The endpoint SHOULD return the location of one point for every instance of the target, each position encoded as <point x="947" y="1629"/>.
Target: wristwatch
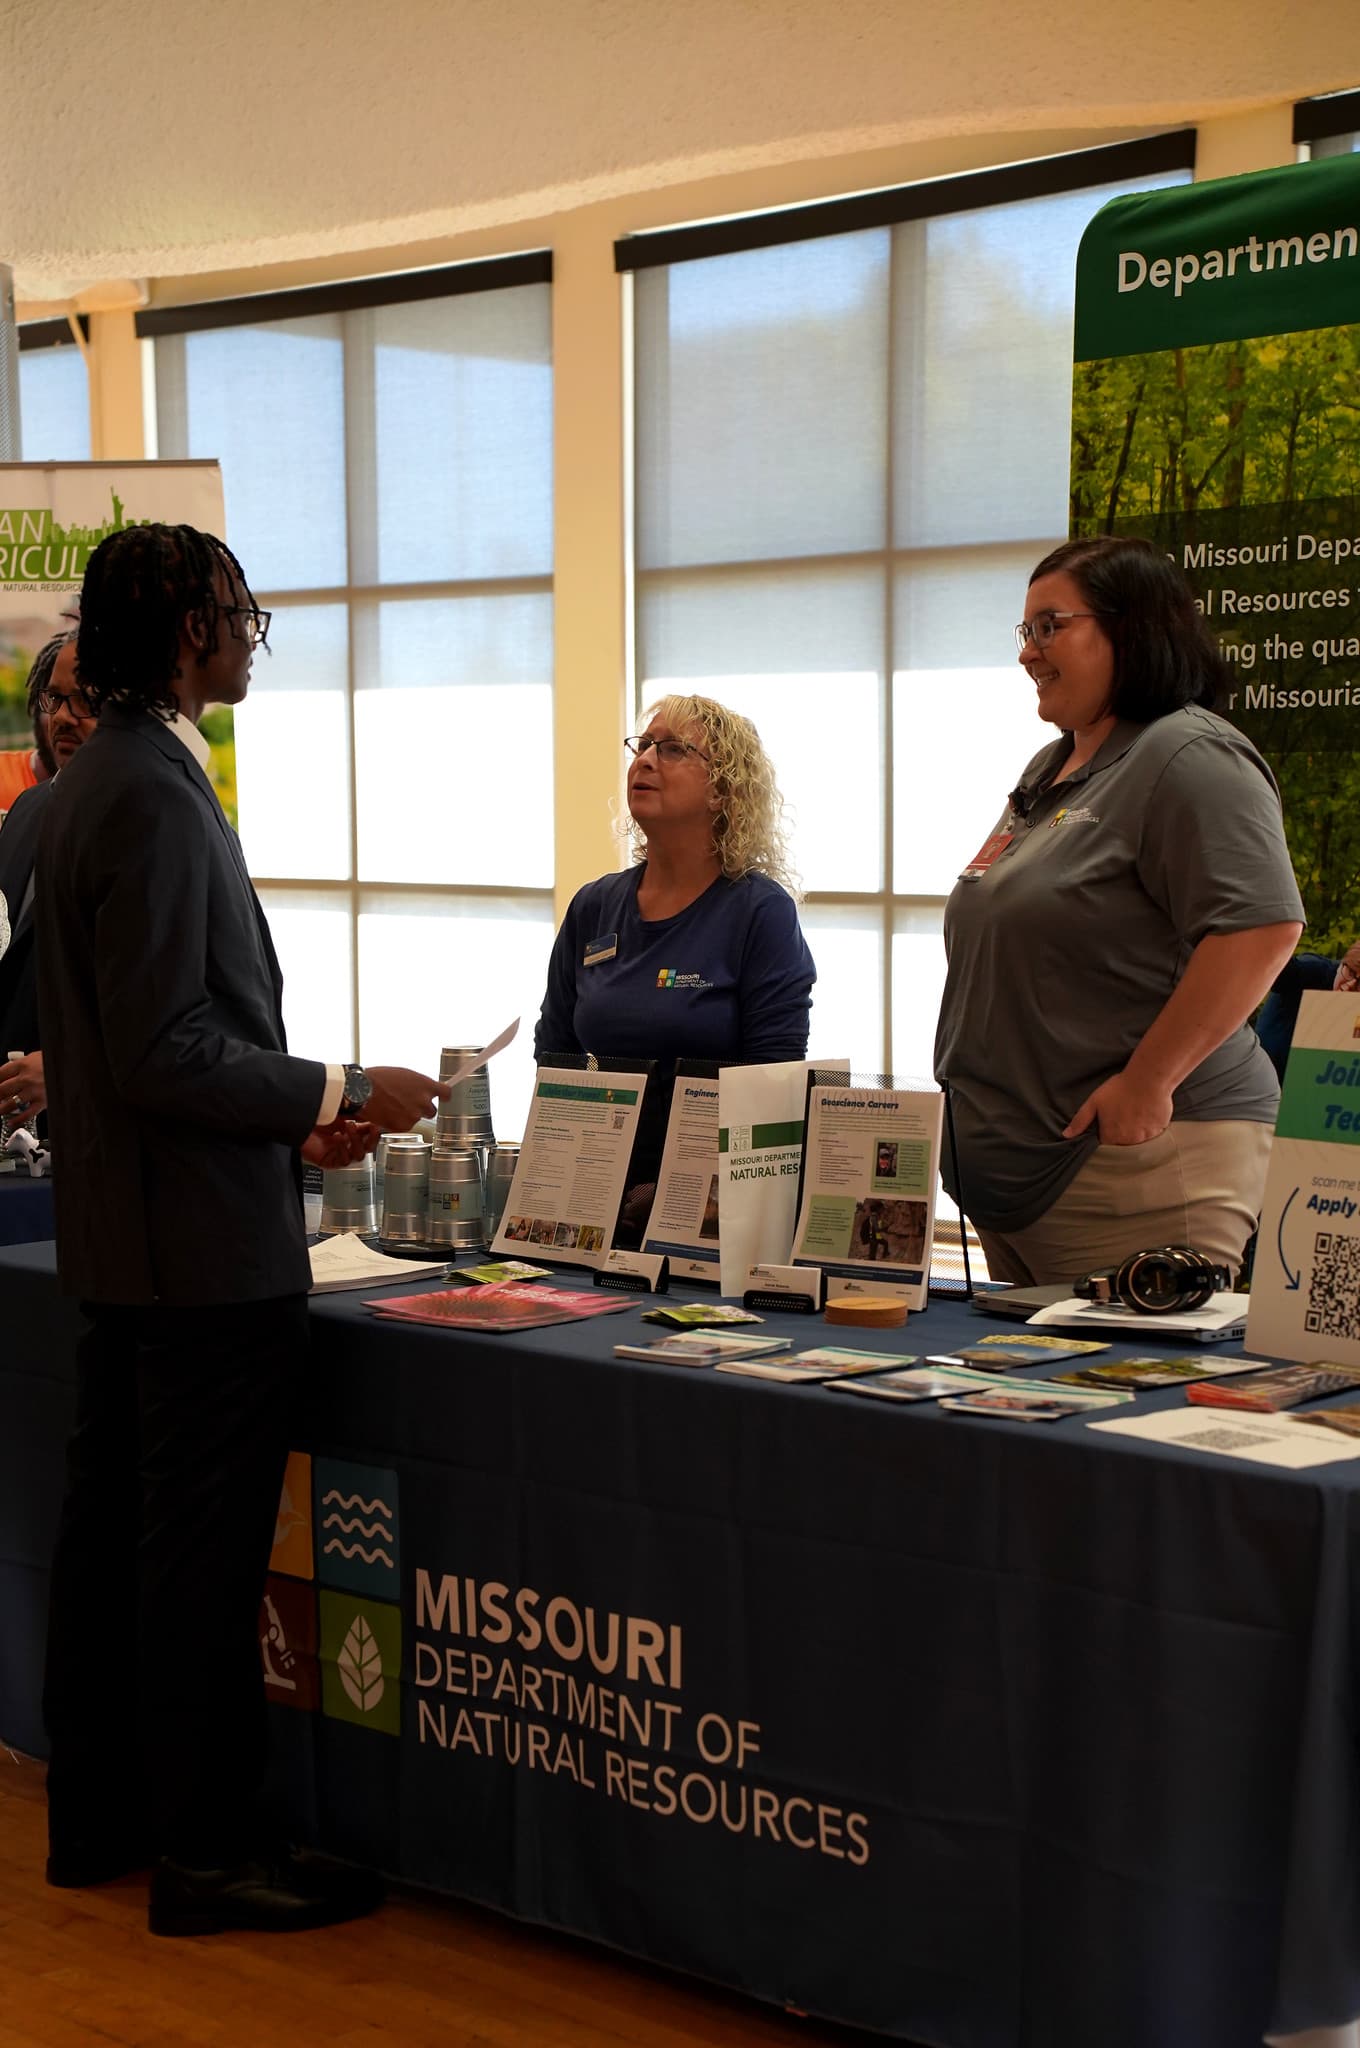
<point x="358" y="1088"/>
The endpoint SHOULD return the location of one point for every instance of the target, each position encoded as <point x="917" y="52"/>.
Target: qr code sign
<point x="1334" y="1288"/>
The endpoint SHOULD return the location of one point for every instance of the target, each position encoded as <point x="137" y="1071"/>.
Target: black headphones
<point x="1170" y="1280"/>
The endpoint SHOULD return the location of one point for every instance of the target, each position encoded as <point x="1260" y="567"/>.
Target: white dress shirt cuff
<point x="333" y="1097"/>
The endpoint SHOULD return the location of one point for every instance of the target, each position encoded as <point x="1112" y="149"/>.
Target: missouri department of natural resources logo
<point x="330" y="1623"/>
<point x="671" y="977"/>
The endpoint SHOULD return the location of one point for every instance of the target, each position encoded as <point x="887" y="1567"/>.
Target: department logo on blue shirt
<point x="670" y="977"/>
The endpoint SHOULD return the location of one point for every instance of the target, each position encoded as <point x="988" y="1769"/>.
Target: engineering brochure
<point x="573" y="1165"/>
<point x="871" y="1159"/>
<point x="684" y="1219"/>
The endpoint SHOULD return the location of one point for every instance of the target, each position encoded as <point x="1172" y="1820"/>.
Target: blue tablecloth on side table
<point x="25" y="1209"/>
<point x="976" y="1733"/>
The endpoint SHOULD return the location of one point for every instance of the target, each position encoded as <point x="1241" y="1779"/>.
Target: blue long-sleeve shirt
<point x="728" y="978"/>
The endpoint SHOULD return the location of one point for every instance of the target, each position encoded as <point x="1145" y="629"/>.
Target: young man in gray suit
<point x="178" y="1118"/>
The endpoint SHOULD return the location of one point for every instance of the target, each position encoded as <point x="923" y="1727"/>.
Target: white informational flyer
<point x="760" y="1147"/>
<point x="573" y="1165"/>
<point x="684" y="1219"/>
<point x="870" y="1166"/>
<point x="1305" y="1283"/>
<point x="1232" y="1433"/>
<point x="1221" y="1316"/>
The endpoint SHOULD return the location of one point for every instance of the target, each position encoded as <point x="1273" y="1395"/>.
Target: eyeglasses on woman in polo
<point x="1044" y="625"/>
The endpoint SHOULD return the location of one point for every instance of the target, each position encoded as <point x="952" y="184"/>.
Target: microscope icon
<point x="274" y="1643"/>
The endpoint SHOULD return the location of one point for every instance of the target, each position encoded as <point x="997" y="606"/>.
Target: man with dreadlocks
<point x="177" y="1115"/>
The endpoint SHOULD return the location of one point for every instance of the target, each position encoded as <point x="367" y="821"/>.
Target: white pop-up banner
<point x="1305" y="1284"/>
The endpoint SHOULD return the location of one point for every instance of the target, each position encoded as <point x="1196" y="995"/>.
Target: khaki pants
<point x="1198" y="1184"/>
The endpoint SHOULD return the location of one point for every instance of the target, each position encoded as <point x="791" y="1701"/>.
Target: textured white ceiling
<point x="165" y="137"/>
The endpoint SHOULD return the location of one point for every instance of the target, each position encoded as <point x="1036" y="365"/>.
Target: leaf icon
<point x="360" y="1666"/>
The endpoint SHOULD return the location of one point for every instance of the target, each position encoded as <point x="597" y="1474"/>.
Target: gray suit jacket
<point x="175" y="1108"/>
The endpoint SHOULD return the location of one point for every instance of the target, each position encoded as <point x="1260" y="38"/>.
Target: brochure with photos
<point x="501" y="1272"/>
<point x="828" y="1362"/>
<point x="700" y="1347"/>
<point x="1151" y="1373"/>
<point x="1282" y="1386"/>
<point x="498" y="1308"/>
<point x="1346" y="1421"/>
<point x="699" y="1315"/>
<point x="939" y="1379"/>
<point x="1029" y="1406"/>
<point x="1012" y="1349"/>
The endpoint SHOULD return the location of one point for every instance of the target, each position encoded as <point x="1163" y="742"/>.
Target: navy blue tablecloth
<point x="25" y="1209"/>
<point x="977" y="1733"/>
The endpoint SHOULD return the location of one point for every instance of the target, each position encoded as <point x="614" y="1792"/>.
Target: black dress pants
<point x="154" y="1696"/>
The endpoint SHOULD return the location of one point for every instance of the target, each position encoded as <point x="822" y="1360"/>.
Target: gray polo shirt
<point x="1065" y="949"/>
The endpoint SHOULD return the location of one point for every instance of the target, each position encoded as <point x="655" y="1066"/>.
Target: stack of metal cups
<point x="463" y="1130"/>
<point x="347" y="1199"/>
<point x="455" y="1196"/>
<point x="406" y="1189"/>
<point x="498" y="1171"/>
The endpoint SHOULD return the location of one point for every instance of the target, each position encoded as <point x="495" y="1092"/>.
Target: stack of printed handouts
<point x="700" y="1347"/>
<point x="1223" y="1315"/>
<point x="346" y="1261"/>
<point x="515" y="1307"/>
<point x="828" y="1362"/>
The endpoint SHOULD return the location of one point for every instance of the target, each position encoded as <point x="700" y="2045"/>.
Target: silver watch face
<point x="358" y="1087"/>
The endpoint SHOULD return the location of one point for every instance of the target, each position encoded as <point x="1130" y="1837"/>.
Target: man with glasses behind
<point x="62" y="722"/>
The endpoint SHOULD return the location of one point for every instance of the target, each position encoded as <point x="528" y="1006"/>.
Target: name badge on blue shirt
<point x="601" y="949"/>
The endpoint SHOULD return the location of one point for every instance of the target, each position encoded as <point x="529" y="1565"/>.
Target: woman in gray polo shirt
<point x="1109" y="941"/>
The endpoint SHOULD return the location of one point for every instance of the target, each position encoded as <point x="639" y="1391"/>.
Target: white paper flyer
<point x="573" y="1165"/>
<point x="684" y="1219"/>
<point x="760" y="1148"/>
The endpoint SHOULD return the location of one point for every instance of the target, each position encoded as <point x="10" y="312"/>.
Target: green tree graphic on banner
<point x="1220" y="417"/>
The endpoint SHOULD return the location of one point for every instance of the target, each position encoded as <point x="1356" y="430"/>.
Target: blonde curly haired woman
<point x="695" y="952"/>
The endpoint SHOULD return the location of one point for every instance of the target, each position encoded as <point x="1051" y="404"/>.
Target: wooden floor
<point x="78" y="1970"/>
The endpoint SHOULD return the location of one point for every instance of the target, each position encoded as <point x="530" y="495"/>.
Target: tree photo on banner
<point x="1215" y="411"/>
<point x="53" y="516"/>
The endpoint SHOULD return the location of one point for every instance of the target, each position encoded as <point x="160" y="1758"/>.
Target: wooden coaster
<point x="867" y="1311"/>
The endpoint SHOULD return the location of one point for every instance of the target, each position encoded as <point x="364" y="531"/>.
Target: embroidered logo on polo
<point x="330" y="1622"/>
<point x="1077" y="815"/>
<point x="669" y="977"/>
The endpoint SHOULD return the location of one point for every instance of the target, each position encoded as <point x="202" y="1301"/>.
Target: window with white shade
<point x="851" y="447"/>
<point x="54" y="394"/>
<point x="1328" y="125"/>
<point x="387" y="467"/>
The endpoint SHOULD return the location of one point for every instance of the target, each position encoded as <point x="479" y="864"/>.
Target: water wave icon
<point x="355" y="1500"/>
<point x="349" y="1523"/>
<point x="374" y="1556"/>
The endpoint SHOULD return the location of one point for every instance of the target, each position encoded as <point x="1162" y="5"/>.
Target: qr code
<point x="1221" y="1439"/>
<point x="1334" y="1289"/>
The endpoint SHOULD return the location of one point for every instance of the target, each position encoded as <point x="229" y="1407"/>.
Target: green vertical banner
<point x="1216" y="411"/>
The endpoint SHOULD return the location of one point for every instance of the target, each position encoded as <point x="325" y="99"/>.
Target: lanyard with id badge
<point x="990" y="851"/>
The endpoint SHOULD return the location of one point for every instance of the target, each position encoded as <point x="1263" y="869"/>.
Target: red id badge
<point x="990" y="850"/>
